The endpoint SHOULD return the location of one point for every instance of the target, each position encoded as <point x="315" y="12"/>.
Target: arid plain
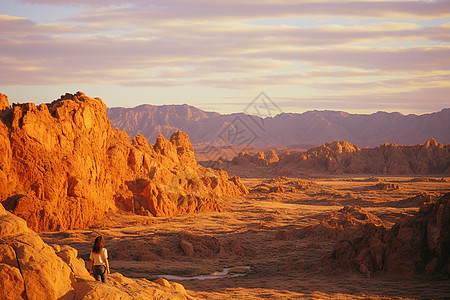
<point x="274" y="240"/>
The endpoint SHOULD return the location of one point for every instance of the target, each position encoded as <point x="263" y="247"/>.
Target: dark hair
<point x="99" y="244"/>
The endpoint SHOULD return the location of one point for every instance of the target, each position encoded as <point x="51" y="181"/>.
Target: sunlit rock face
<point x="62" y="166"/>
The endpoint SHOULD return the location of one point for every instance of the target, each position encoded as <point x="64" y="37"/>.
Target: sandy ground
<point x="279" y="269"/>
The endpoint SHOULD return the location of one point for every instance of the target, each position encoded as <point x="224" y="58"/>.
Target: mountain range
<point x="286" y="129"/>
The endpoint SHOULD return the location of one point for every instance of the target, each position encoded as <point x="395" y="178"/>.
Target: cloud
<point x="204" y="57"/>
<point x="389" y="47"/>
<point x="338" y="81"/>
<point x="417" y="101"/>
<point x="201" y="9"/>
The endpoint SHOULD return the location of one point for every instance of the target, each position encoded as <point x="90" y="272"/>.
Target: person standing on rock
<point x="99" y="260"/>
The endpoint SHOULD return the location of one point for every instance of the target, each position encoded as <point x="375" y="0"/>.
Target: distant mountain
<point x="312" y="127"/>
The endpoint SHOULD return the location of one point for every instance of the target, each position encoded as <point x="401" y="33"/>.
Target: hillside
<point x="309" y="128"/>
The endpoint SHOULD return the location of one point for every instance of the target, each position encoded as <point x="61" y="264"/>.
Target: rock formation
<point x="31" y="269"/>
<point x="282" y="184"/>
<point x="418" y="245"/>
<point x="258" y="159"/>
<point x="342" y="157"/>
<point x="62" y="166"/>
<point x="4" y="103"/>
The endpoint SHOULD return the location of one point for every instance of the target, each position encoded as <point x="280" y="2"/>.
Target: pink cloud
<point x="262" y="9"/>
<point x="210" y="44"/>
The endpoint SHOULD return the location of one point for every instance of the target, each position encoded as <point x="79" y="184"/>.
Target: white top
<point x="99" y="258"/>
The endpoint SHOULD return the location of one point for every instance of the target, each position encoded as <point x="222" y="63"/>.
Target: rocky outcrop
<point x="55" y="165"/>
<point x="342" y="157"/>
<point x="31" y="269"/>
<point x="258" y="159"/>
<point x="419" y="245"/>
<point x="164" y="179"/>
<point x="62" y="166"/>
<point x="282" y="185"/>
<point x="4" y="103"/>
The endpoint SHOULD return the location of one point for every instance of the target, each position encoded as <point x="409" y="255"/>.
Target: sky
<point x="354" y="56"/>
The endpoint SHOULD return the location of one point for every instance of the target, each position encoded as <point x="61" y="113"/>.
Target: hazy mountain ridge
<point x="312" y="127"/>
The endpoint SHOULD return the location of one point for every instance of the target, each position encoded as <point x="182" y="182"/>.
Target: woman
<point x="99" y="260"/>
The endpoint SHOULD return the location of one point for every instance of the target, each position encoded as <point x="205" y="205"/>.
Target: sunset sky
<point x="356" y="56"/>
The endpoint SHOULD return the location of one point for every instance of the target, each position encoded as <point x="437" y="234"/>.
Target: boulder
<point x="43" y="275"/>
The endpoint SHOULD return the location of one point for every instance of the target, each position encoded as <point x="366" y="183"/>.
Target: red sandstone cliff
<point x="62" y="166"/>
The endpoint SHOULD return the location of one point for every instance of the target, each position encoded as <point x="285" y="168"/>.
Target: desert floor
<point x="249" y="229"/>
